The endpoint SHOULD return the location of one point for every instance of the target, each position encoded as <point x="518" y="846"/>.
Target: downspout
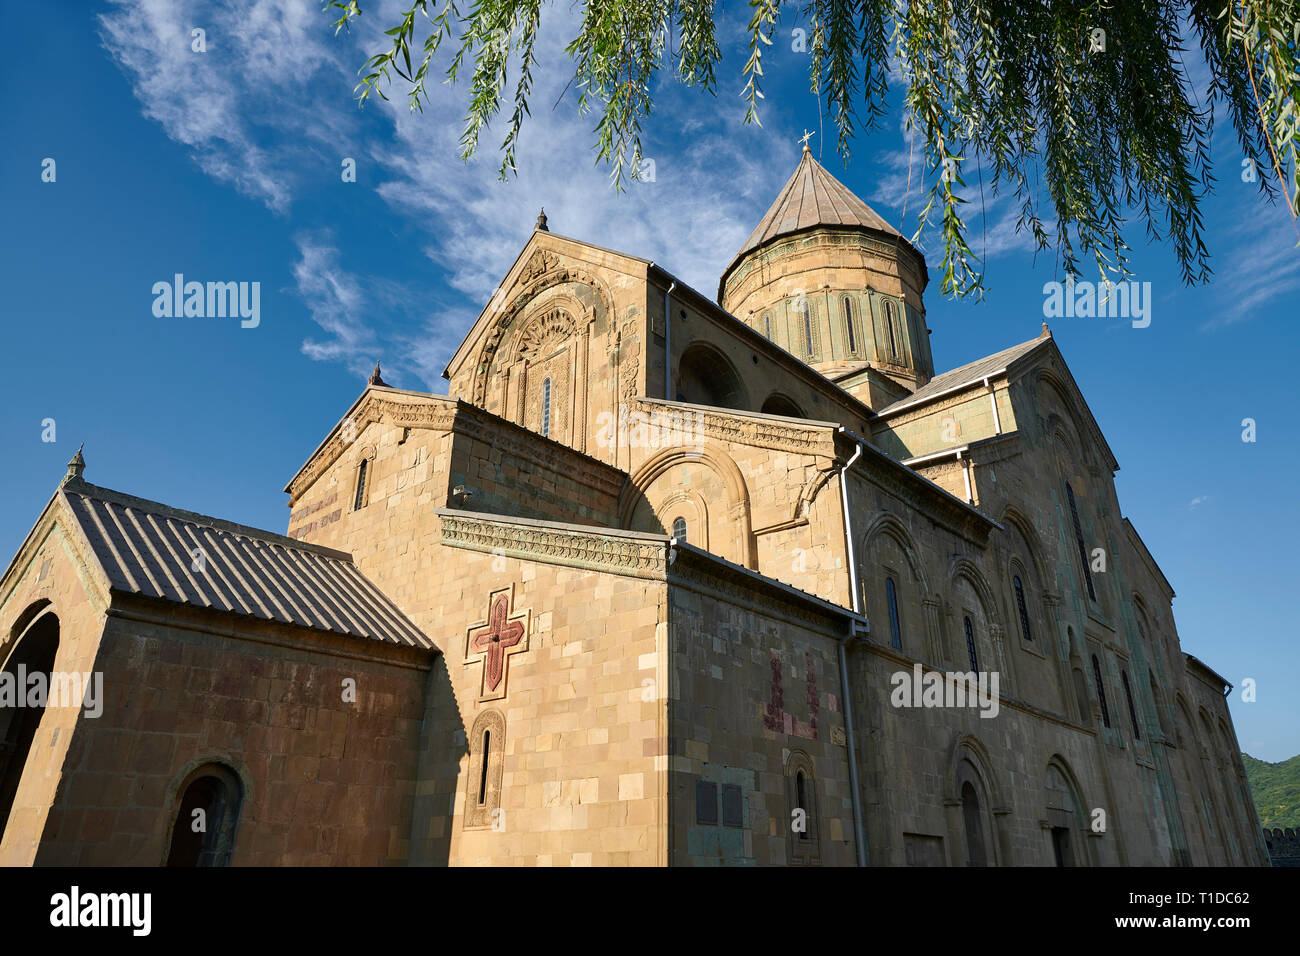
<point x="993" y="400"/>
<point x="860" y="838"/>
<point x="668" y="342"/>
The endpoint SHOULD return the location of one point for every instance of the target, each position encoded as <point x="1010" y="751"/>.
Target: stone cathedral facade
<point x="652" y="585"/>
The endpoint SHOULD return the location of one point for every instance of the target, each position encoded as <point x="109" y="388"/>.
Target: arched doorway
<point x="34" y="653"/>
<point x="203" y="833"/>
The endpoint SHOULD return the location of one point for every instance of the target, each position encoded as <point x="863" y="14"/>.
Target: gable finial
<point x="541" y="220"/>
<point x="76" y="466"/>
<point x="1046" y="333"/>
<point x="804" y="139"/>
<point x="375" y="378"/>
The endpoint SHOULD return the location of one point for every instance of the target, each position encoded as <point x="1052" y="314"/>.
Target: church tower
<point x="826" y="278"/>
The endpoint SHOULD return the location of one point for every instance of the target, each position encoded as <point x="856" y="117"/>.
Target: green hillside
<point x="1276" y="789"/>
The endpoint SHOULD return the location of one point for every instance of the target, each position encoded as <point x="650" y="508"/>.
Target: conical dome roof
<point x="812" y="197"/>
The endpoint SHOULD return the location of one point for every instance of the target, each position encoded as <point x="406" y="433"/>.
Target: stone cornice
<point x="630" y="555"/>
<point x="639" y="555"/>
<point x="750" y="428"/>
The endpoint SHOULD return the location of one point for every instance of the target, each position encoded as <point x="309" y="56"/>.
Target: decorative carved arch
<point x="891" y="526"/>
<point x="546" y="326"/>
<point x="962" y="567"/>
<point x="1013" y="516"/>
<point x="554" y="275"/>
<point x="696" y="501"/>
<point x="969" y="747"/>
<point x="1062" y="766"/>
<point x="969" y="762"/>
<point x="721" y="464"/>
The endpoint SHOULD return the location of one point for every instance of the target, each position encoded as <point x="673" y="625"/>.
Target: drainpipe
<point x="668" y="342"/>
<point x="993" y="399"/>
<point x="859" y="836"/>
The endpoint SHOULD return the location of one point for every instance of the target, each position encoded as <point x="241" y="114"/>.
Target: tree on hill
<point x="1276" y="790"/>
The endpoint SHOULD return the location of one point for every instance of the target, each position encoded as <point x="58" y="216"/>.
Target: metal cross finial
<point x="805" y="137"/>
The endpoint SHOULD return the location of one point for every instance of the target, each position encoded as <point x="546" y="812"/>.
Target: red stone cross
<point x="499" y="634"/>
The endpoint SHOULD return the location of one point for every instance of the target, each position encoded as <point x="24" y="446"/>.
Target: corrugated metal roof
<point x="147" y="548"/>
<point x="965" y="375"/>
<point x="812" y="197"/>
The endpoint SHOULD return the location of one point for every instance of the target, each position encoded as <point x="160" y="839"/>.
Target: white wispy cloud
<point x="1261" y="263"/>
<point x="336" y="300"/>
<point x="1198" y="500"/>
<point x="275" y="87"/>
<point x="226" y="102"/>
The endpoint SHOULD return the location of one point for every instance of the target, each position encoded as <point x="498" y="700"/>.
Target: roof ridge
<point x="99" y="493"/>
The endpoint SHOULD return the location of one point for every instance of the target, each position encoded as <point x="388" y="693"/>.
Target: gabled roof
<point x="965" y="375"/>
<point x="812" y="197"/>
<point x="146" y="548"/>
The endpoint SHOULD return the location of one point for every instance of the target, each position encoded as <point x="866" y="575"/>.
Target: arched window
<point x="848" y="325"/>
<point x="362" y="471"/>
<point x="487" y="745"/>
<point x="970" y="811"/>
<point x="1159" y="705"/>
<point x="1128" y="696"/>
<point x="801" y="796"/>
<point x="891" y="596"/>
<point x="486" y="750"/>
<point x="33" y="654"/>
<point x="808" y="328"/>
<point x="679" y="529"/>
<point x="1020" y="606"/>
<point x="890" y="322"/>
<point x="1101" y="691"/>
<point x="767" y="325"/>
<point x="801" y="802"/>
<point x="970" y="643"/>
<point x="203" y="833"/>
<point x="1078" y="537"/>
<point x="546" y="408"/>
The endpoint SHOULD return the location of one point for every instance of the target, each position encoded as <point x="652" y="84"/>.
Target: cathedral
<point x="663" y="581"/>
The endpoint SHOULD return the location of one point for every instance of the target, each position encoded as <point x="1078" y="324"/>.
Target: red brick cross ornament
<point x="491" y="642"/>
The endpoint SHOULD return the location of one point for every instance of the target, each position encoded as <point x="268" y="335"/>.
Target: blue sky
<point x="225" y="166"/>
